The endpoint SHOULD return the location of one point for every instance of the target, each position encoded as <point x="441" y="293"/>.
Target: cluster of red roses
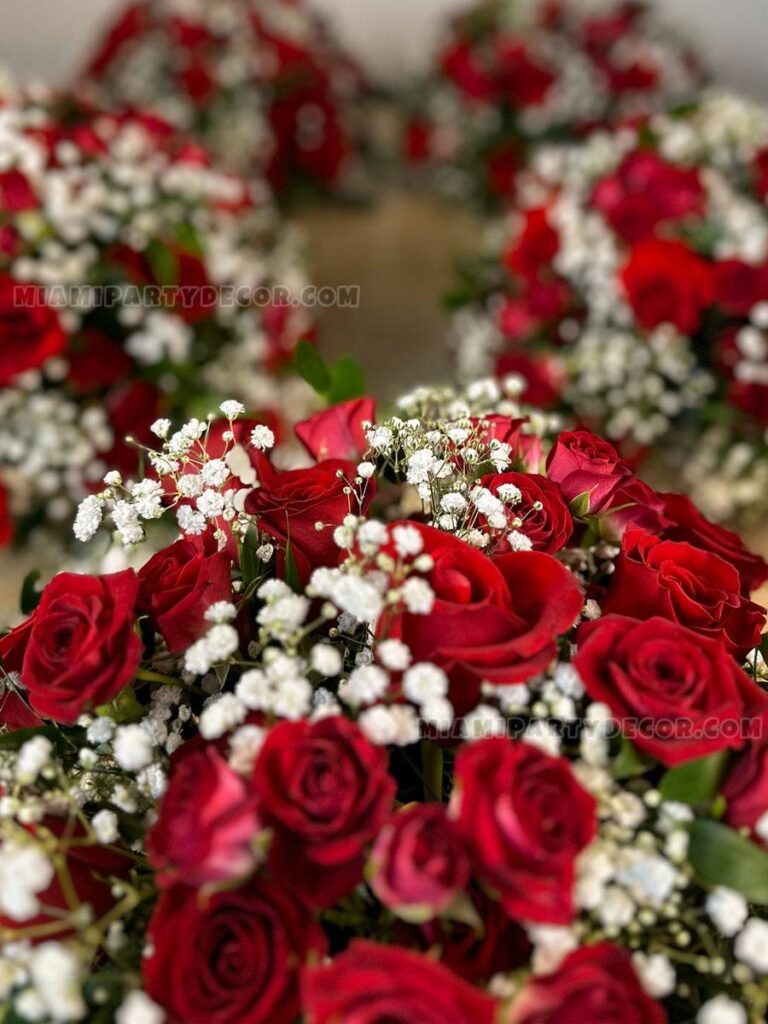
<point x="632" y="292"/>
<point x="115" y="239"/>
<point x="512" y="76"/>
<point x="260" y="84"/>
<point x="244" y="737"/>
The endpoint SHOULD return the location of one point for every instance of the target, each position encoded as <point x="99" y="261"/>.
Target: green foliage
<point x="722" y="856"/>
<point x="338" y="382"/>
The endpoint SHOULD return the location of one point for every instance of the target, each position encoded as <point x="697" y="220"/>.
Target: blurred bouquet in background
<point x="461" y="722"/>
<point x="513" y="74"/>
<point x="135" y="280"/>
<point x="259" y="82"/>
<point x="630" y="290"/>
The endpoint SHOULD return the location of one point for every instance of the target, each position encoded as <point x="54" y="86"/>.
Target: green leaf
<point x="725" y="857"/>
<point x="311" y="366"/>
<point x="123" y="708"/>
<point x="163" y="263"/>
<point x="629" y="762"/>
<point x="291" y="570"/>
<point x="695" y="782"/>
<point x="347" y="381"/>
<point x="251" y="565"/>
<point x="30" y="592"/>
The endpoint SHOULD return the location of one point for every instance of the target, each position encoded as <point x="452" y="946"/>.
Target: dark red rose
<point x="463" y="67"/>
<point x="596" y="984"/>
<point x="540" y="513"/>
<point x="667" y="283"/>
<point x="739" y="286"/>
<point x="500" y="945"/>
<point x="583" y="464"/>
<point x="677" y="695"/>
<point x="761" y="174"/>
<point x="633" y="505"/>
<point x="493" y="620"/>
<point x="337" y="433"/>
<point x="521" y="79"/>
<point x="91" y="870"/>
<point x="525" y="819"/>
<point x="746" y="786"/>
<point x="645" y="192"/>
<point x="30" y="330"/>
<point x="96" y="361"/>
<point x="131" y="23"/>
<point x="417" y="142"/>
<point x="16" y="194"/>
<point x="535" y="246"/>
<point x="206" y="824"/>
<point x="502" y="166"/>
<point x="418" y="865"/>
<point x="684" y="584"/>
<point x="325" y="791"/>
<point x="230" y="958"/>
<point x="131" y="407"/>
<point x="371" y="982"/>
<point x="179" y="584"/>
<point x="686" y="523"/>
<point x="6" y="521"/>
<point x="79" y="648"/>
<point x="290" y="504"/>
<point x="543" y="376"/>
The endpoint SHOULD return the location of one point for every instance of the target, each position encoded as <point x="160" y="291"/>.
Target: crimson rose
<point x="290" y="504"/>
<point x="325" y="792"/>
<point x="682" y="583"/>
<point x="371" y="982"/>
<point x="582" y="463"/>
<point x="207" y="820"/>
<point x="79" y="648"/>
<point x="30" y="331"/>
<point x="525" y="819"/>
<point x="540" y="514"/>
<point x="337" y="433"/>
<point x="493" y="620"/>
<point x="418" y="864"/>
<point x="746" y="788"/>
<point x="179" y="584"/>
<point x="667" y="283"/>
<point x="595" y="984"/>
<point x="689" y="690"/>
<point x="231" y="958"/>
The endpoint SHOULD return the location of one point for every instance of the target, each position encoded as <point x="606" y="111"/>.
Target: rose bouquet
<point x="513" y="74"/>
<point x="632" y="290"/>
<point x="462" y="722"/>
<point x="259" y="82"/>
<point x="135" y="279"/>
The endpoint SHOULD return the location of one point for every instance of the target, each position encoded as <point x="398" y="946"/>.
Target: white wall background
<point x="50" y="38"/>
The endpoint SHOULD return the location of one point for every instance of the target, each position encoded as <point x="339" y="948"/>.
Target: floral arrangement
<point x="259" y="82"/>
<point x="461" y="722"/>
<point x="514" y="74"/>
<point x="135" y="281"/>
<point x="631" y="290"/>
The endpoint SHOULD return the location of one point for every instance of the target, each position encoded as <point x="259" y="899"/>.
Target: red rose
<point x="418" y="864"/>
<point x="540" y="513"/>
<point x="6" y="521"/>
<point x="371" y="982"/>
<point x="206" y="824"/>
<point x="337" y="433"/>
<point x="543" y="376"/>
<point x="746" y="788"/>
<point x="521" y="80"/>
<point x="289" y="505"/>
<point x="96" y="361"/>
<point x="91" y="869"/>
<point x="684" y="584"/>
<point x="634" y="505"/>
<point x="462" y="66"/>
<point x="131" y="407"/>
<point x="30" y="330"/>
<point x="761" y="174"/>
<point x="687" y="690"/>
<point x="16" y="194"/>
<point x="499" y="947"/>
<point x="79" y="648"/>
<point x="232" y="958"/>
<point x="179" y="584"/>
<point x="583" y="464"/>
<point x="593" y="984"/>
<point x="667" y="283"/>
<point x="525" y="819"/>
<point x="535" y="247"/>
<point x="493" y="620"/>
<point x="325" y="791"/>
<point x="686" y="523"/>
<point x="739" y="286"/>
<point x="645" y="192"/>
